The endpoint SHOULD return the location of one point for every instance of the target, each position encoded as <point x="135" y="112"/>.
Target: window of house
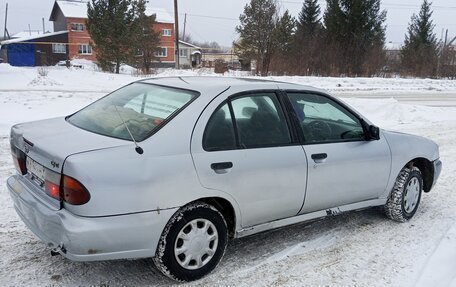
<point x="166" y="32"/>
<point x="162" y="52"/>
<point x="139" y="52"/>
<point x="85" y="49"/>
<point x="58" y="48"/>
<point x="77" y="27"/>
<point x="183" y="53"/>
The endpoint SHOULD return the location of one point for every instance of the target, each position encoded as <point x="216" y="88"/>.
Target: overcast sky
<point x="215" y="20"/>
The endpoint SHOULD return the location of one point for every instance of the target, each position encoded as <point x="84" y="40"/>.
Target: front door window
<point x="323" y="120"/>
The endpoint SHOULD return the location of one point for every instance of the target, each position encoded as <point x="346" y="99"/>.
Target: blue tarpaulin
<point x="21" y="54"/>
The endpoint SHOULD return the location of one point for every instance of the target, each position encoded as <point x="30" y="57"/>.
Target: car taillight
<point x="19" y="160"/>
<point x="74" y="192"/>
<point x="51" y="184"/>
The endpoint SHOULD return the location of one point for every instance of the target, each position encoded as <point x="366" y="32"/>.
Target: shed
<point x="189" y="55"/>
<point x="40" y="50"/>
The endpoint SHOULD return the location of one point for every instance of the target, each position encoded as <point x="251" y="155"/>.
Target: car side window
<point x="260" y="121"/>
<point x="219" y="133"/>
<point x="324" y="120"/>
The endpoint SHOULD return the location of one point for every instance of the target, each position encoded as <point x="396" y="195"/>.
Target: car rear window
<point x="142" y="107"/>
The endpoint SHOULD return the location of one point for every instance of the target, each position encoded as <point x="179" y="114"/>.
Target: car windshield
<point x="142" y="107"/>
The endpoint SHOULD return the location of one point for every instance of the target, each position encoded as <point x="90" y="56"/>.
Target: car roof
<point x="204" y="84"/>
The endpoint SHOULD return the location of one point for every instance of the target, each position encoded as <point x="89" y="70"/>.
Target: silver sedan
<point x="171" y="168"/>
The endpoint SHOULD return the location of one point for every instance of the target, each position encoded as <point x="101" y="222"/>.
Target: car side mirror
<point x="374" y="133"/>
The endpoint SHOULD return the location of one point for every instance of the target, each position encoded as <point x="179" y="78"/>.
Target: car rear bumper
<point x="88" y="238"/>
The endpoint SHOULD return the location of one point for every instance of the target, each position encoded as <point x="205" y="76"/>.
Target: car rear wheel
<point x="192" y="243"/>
<point x="406" y="195"/>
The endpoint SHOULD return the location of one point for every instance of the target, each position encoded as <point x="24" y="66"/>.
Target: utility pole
<point x="44" y="28"/>
<point x="5" y="32"/>
<point x="441" y="60"/>
<point x="185" y="24"/>
<point x="176" y="33"/>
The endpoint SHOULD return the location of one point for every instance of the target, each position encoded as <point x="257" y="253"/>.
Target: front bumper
<point x="88" y="238"/>
<point x="437" y="170"/>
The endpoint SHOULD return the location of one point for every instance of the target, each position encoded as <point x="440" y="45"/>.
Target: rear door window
<point x="258" y="122"/>
<point x="219" y="134"/>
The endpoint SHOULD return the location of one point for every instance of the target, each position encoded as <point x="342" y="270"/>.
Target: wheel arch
<point x="427" y="170"/>
<point x="225" y="207"/>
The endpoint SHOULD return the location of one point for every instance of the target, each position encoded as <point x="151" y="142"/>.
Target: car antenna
<point x="138" y="149"/>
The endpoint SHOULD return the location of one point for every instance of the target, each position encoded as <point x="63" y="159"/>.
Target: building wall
<point x="82" y="37"/>
<point x="44" y="55"/>
<point x="189" y="60"/>
<point x="60" y="21"/>
<point x="36" y="52"/>
<point x="78" y="37"/>
<point x="166" y="41"/>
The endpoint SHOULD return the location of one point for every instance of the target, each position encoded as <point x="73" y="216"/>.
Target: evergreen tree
<point x="146" y="39"/>
<point x="334" y="34"/>
<point x="110" y="25"/>
<point x="309" y="19"/>
<point x="419" y="54"/>
<point x="353" y="30"/>
<point x="283" y="37"/>
<point x="307" y="39"/>
<point x="283" y="32"/>
<point x="256" y="31"/>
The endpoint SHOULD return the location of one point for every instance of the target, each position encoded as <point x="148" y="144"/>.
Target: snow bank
<point x="90" y="78"/>
<point x="389" y="113"/>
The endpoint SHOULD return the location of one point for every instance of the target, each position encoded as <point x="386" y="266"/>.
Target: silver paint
<point x="134" y="196"/>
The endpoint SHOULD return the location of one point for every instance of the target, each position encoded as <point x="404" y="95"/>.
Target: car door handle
<point x="221" y="165"/>
<point x="319" y="157"/>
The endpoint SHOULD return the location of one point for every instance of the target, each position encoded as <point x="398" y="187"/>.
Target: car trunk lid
<point x="47" y="143"/>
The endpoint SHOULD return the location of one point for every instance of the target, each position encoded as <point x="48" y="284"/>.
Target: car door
<point x="243" y="146"/>
<point x="343" y="167"/>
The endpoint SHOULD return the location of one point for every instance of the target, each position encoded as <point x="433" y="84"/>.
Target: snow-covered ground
<point x="354" y="249"/>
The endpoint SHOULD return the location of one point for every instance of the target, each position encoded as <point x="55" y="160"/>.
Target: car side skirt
<point x="309" y="216"/>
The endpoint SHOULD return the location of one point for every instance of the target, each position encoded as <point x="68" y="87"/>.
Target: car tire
<point x="192" y="243"/>
<point x="406" y="195"/>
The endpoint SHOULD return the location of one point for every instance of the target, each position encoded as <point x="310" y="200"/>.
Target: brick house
<point x="71" y="16"/>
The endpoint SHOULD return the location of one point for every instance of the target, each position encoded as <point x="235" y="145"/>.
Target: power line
<point x="211" y="17"/>
<point x="391" y="5"/>
<point x="418" y="6"/>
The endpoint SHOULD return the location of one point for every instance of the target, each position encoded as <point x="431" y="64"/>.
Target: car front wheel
<point x="192" y="243"/>
<point x="406" y="195"/>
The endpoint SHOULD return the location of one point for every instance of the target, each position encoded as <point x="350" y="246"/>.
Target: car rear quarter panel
<point x="404" y="148"/>
<point x="121" y="181"/>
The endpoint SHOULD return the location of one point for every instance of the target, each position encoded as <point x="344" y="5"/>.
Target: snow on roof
<point x="26" y="39"/>
<point x="163" y="16"/>
<point x="25" y="34"/>
<point x="73" y="9"/>
<point x="78" y="9"/>
<point x="189" y="44"/>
